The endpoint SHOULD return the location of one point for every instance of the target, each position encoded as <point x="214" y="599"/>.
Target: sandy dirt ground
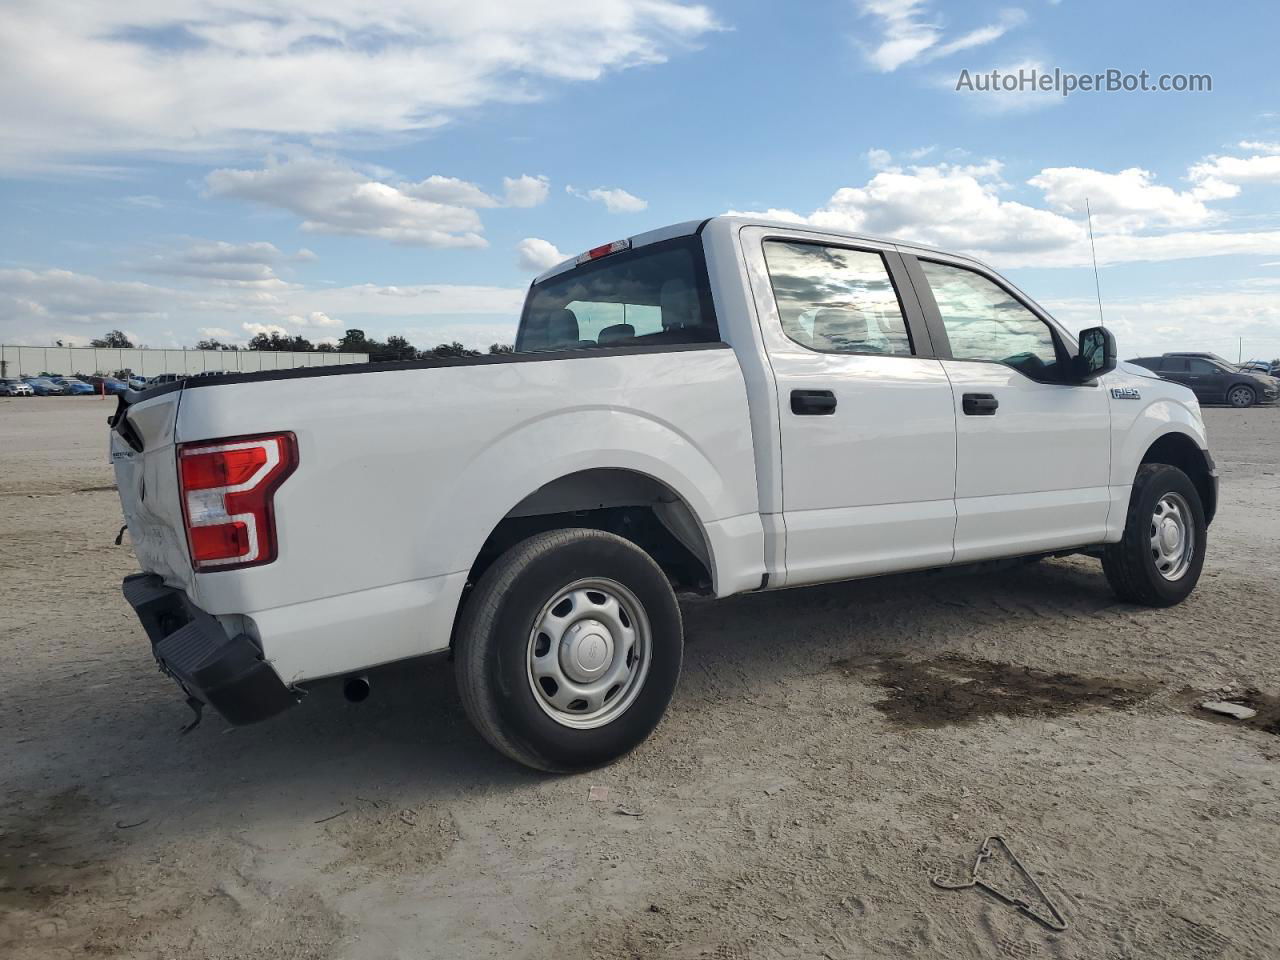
<point x="828" y="751"/>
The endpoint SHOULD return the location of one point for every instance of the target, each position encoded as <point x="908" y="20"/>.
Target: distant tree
<point x="398" y="348"/>
<point x="454" y="349"/>
<point x="279" y="341"/>
<point x="501" y="348"/>
<point x="114" y="338"/>
<point x="354" y="341"/>
<point x="326" y="348"/>
<point x="212" y="344"/>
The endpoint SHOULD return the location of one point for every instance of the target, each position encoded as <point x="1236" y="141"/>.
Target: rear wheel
<point x="1241" y="396"/>
<point x="1159" y="559"/>
<point x="569" y="650"/>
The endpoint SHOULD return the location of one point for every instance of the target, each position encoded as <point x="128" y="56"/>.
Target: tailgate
<point x="142" y="453"/>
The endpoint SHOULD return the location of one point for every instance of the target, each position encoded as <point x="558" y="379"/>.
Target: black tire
<point x="1129" y="564"/>
<point x="491" y="648"/>
<point x="1241" y="396"/>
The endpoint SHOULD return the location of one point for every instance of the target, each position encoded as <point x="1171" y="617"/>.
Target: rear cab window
<point x="652" y="295"/>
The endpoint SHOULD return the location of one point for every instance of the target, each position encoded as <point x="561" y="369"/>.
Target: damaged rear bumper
<point x="226" y="673"/>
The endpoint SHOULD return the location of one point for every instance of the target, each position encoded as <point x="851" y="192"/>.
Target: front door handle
<point x="980" y="404"/>
<point x="813" y="403"/>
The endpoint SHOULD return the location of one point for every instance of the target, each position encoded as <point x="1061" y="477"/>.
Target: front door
<point x="1033" y="454"/>
<point x="867" y="425"/>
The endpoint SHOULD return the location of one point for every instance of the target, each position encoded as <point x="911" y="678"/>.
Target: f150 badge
<point x="1125" y="393"/>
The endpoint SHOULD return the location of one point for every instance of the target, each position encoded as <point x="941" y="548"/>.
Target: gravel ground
<point x="830" y="750"/>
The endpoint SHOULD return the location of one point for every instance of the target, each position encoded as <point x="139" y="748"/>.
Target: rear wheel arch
<point x="1182" y="451"/>
<point x="631" y="504"/>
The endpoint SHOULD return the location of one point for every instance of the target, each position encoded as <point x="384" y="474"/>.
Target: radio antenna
<point x="1097" y="284"/>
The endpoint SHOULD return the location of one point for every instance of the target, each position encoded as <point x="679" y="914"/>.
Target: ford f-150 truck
<point x="715" y="407"/>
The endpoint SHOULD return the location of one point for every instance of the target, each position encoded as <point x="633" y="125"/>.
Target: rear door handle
<point x="980" y="404"/>
<point x="813" y="403"/>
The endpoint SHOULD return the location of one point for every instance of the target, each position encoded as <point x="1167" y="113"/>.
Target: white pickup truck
<point x="714" y="407"/>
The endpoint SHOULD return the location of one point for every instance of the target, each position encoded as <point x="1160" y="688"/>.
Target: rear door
<point x="1033" y="454"/>
<point x="145" y="463"/>
<point x="867" y="426"/>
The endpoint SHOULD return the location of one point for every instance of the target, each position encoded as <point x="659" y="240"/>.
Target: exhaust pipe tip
<point x="356" y="689"/>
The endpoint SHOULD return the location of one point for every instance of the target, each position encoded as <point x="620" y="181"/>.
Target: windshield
<point x="656" y="294"/>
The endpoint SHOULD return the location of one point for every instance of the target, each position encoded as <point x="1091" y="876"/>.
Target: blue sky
<point x="198" y="168"/>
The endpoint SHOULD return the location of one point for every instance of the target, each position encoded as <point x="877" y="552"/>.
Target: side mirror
<point x="1096" y="356"/>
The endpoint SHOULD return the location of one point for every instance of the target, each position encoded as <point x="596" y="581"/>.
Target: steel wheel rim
<point x="589" y="653"/>
<point x="1173" y="536"/>
<point x="1241" y="397"/>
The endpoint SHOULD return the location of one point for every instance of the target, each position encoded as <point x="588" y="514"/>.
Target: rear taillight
<point x="227" y="490"/>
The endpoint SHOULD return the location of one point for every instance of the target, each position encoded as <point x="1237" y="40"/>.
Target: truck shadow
<point x="410" y="739"/>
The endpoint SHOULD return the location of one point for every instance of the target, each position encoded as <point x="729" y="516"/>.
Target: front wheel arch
<point x="1181" y="451"/>
<point x="1241" y="389"/>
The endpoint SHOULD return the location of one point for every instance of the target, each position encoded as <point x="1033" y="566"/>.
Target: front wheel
<point x="569" y="650"/>
<point x="1241" y="396"/>
<point x="1158" y="560"/>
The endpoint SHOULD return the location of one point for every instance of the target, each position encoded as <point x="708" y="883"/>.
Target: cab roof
<point x="686" y="227"/>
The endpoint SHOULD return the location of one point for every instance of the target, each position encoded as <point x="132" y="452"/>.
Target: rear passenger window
<point x="1174" y="365"/>
<point x="836" y="300"/>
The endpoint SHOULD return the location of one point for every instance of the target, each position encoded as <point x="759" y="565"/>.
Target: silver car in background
<point x="15" y="388"/>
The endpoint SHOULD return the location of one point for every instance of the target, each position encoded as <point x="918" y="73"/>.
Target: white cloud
<point x="1261" y="146"/>
<point x="415" y="300"/>
<point x="956" y="207"/>
<point x="37" y="306"/>
<point x="964" y="208"/>
<point x="906" y="35"/>
<point x="1210" y="321"/>
<point x="449" y="191"/>
<point x="525" y="191"/>
<point x="200" y="76"/>
<point x="40" y="297"/>
<point x="991" y="97"/>
<point x="1220" y="177"/>
<point x="316" y="319"/>
<point x="615" y="200"/>
<point x="535" y="254"/>
<point x="254" y="329"/>
<point x="1128" y="200"/>
<point x="243" y="264"/>
<point x="334" y="198"/>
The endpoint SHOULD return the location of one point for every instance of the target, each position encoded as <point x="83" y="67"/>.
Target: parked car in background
<point x="162" y="379"/>
<point x="1213" y="380"/>
<point x="72" y="386"/>
<point x="1202" y="354"/>
<point x="44" y="387"/>
<point x="15" y="388"/>
<point x="137" y="383"/>
<point x="108" y="384"/>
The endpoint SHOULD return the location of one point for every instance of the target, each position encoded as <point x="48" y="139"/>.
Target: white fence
<point x="29" y="361"/>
